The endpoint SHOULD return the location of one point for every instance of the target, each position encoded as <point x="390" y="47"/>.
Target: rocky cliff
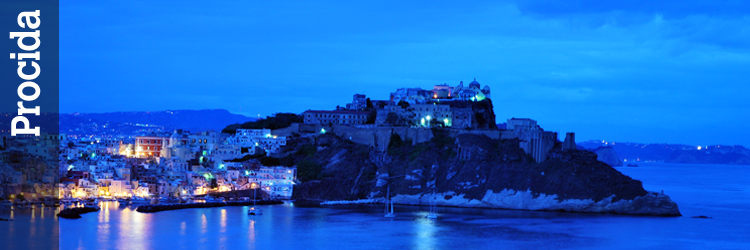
<point x="607" y="155"/>
<point x="468" y="171"/>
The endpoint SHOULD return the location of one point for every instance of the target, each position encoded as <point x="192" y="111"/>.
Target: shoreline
<point x="379" y="201"/>
<point x="166" y="207"/>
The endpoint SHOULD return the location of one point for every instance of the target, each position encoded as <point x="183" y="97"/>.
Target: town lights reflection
<point x="425" y="230"/>
<point x="204" y="224"/>
<point x="223" y="220"/>
<point x="251" y="234"/>
<point x="140" y="230"/>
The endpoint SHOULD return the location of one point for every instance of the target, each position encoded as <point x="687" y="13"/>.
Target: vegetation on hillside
<point x="277" y="121"/>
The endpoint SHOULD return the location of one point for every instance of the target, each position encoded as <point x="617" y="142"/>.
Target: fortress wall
<point x="507" y="134"/>
<point x="493" y="134"/>
<point x="379" y="137"/>
<point x="294" y="128"/>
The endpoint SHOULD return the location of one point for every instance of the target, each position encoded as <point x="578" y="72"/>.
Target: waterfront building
<point x="277" y="181"/>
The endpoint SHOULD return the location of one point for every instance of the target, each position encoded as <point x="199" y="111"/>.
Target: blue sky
<point x="672" y="72"/>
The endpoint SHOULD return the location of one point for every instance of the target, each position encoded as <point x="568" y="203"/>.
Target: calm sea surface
<point x="721" y="192"/>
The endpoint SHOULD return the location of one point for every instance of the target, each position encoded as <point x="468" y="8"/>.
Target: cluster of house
<point x="413" y="107"/>
<point x="181" y="163"/>
<point x="28" y="165"/>
<point x="176" y="164"/>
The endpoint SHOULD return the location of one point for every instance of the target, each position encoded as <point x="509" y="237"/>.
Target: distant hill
<point x="130" y="122"/>
<point x="675" y="153"/>
<point x="46" y="121"/>
<point x="608" y="155"/>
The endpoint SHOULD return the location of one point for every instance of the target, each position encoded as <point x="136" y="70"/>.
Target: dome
<point x="474" y="84"/>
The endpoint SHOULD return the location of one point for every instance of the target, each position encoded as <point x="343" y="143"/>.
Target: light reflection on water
<point x="425" y="230"/>
<point x="721" y="192"/>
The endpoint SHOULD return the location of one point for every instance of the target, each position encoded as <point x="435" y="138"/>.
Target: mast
<point x="387" y="198"/>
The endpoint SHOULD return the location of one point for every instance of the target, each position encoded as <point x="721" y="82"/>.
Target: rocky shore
<point x="166" y="207"/>
<point x="653" y="204"/>
<point x="470" y="171"/>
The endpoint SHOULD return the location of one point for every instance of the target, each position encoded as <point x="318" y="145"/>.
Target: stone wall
<point x="379" y="137"/>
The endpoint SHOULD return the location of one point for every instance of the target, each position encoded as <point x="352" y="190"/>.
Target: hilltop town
<point x="283" y="151"/>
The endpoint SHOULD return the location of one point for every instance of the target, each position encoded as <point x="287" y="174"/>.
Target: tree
<point x="372" y="116"/>
<point x="403" y="104"/>
<point x="308" y="170"/>
<point x="395" y="142"/>
<point x="269" y="161"/>
<point x="369" y="104"/>
<point x="277" y="121"/>
<point x="392" y="119"/>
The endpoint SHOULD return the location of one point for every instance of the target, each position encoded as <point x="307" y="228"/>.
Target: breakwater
<point x="165" y="207"/>
<point x="75" y="212"/>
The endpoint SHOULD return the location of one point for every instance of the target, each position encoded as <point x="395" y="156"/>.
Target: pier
<point x="165" y="207"/>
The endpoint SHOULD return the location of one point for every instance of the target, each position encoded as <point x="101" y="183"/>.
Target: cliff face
<point x="608" y="155"/>
<point x="476" y="171"/>
<point x="483" y="116"/>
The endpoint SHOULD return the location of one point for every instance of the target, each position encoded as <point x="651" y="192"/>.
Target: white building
<point x="262" y="138"/>
<point x="277" y="181"/>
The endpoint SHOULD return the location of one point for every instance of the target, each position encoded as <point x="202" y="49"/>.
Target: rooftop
<point x="337" y="112"/>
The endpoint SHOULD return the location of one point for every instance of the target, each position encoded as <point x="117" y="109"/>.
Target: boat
<point x="93" y="203"/>
<point x="253" y="210"/>
<point x="389" y="202"/>
<point x="433" y="207"/>
<point x="632" y="165"/>
<point x="67" y="203"/>
<point x="139" y="201"/>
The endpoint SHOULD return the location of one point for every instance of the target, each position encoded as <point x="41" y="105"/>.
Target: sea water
<point x="718" y="191"/>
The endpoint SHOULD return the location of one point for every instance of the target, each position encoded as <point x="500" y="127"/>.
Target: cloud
<point x="645" y="65"/>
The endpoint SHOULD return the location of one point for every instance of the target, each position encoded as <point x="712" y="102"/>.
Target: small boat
<point x="632" y="165"/>
<point x="388" y="202"/>
<point x="139" y="201"/>
<point x="433" y="208"/>
<point x="92" y="204"/>
<point x="253" y="210"/>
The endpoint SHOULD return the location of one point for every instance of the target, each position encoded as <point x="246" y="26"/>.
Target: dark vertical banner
<point x="29" y="124"/>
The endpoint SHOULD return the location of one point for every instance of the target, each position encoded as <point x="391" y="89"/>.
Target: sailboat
<point x="253" y="210"/>
<point x="433" y="206"/>
<point x="389" y="202"/>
